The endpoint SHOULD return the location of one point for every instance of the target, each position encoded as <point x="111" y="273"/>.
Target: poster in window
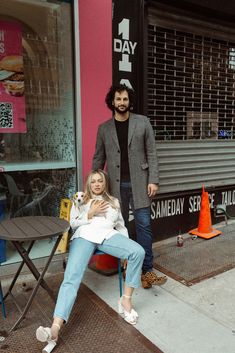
<point x="12" y="98"/>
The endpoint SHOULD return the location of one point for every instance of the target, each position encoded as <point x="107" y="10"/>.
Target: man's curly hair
<point x="118" y="88"/>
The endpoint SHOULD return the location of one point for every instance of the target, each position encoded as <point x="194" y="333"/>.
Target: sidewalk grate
<point x="93" y="326"/>
<point x="198" y="259"/>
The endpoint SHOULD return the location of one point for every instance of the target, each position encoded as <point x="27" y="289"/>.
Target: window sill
<point x="35" y="165"/>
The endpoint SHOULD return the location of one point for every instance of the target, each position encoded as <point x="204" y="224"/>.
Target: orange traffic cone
<point x="205" y="229"/>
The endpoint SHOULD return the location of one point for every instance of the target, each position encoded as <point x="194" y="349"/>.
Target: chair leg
<point x="120" y="276"/>
<point x="2" y="302"/>
<point x="11" y="207"/>
<point x="40" y="208"/>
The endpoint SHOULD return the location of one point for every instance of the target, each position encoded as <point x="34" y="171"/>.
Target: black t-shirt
<point x="122" y="134"/>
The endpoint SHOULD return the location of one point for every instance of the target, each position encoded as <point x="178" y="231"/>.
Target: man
<point x="126" y="144"/>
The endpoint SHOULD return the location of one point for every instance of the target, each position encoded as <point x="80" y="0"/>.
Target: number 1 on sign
<point x="123" y="29"/>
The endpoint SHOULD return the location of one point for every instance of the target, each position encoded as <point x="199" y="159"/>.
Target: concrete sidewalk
<point x="180" y="319"/>
<point x="174" y="317"/>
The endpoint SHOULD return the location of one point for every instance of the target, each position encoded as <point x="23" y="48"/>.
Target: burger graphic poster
<point x="12" y="99"/>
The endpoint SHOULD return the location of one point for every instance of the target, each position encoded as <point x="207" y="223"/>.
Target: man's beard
<point x="122" y="111"/>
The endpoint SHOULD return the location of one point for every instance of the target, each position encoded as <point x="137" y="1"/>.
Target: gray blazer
<point x="141" y="153"/>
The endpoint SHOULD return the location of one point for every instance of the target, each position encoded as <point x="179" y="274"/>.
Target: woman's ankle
<point x="55" y="328"/>
<point x="126" y="303"/>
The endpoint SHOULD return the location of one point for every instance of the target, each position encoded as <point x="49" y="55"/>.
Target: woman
<point x="99" y="225"/>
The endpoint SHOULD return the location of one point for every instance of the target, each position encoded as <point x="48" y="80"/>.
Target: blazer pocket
<point x="144" y="166"/>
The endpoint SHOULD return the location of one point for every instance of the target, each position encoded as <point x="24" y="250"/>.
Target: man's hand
<point x="152" y="190"/>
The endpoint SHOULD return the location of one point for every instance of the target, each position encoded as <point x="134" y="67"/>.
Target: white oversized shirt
<point x="99" y="227"/>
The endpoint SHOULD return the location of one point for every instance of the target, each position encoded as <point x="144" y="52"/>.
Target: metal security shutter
<point x="191" y="90"/>
<point x="188" y="165"/>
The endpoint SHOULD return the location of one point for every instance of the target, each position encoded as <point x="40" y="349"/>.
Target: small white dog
<point x="77" y="199"/>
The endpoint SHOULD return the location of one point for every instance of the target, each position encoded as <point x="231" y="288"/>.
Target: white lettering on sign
<point x="124" y="28"/>
<point x="132" y="46"/>
<point x="166" y="208"/>
<point x="228" y="197"/>
<point x="212" y="199"/>
<point x="174" y="207"/>
<point x="195" y="202"/>
<point x="125" y="65"/>
<point x="126" y="82"/>
<point x="124" y="45"/>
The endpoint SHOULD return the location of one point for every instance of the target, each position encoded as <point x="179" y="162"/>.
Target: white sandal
<point x="43" y="334"/>
<point x="49" y="347"/>
<point x="129" y="316"/>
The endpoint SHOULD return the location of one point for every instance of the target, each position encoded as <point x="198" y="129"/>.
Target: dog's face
<point x="78" y="198"/>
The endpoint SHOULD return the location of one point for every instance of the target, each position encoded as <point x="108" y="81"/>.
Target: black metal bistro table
<point x="22" y="231"/>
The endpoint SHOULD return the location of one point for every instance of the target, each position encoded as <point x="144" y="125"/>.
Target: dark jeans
<point x="142" y="224"/>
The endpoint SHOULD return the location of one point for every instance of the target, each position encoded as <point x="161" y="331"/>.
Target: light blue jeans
<point x="80" y="253"/>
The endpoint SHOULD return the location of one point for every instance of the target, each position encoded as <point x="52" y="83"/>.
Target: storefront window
<point x="37" y="121"/>
<point x="47" y="141"/>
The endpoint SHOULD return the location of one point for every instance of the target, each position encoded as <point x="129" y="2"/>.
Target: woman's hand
<point x="97" y="206"/>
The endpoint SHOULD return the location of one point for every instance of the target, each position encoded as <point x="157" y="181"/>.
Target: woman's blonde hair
<point x="106" y="194"/>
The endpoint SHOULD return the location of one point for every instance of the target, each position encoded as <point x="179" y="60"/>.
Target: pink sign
<point x="12" y="99"/>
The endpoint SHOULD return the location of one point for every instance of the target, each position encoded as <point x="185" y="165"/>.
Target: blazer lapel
<point x="132" y="126"/>
<point x="113" y="132"/>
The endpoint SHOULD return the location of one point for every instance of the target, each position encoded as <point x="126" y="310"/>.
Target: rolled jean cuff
<point x="133" y="285"/>
<point x="60" y="317"/>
